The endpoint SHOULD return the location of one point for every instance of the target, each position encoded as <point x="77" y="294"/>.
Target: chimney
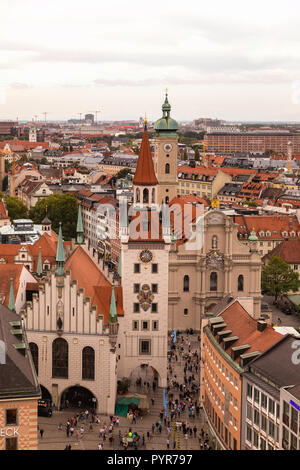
<point x="261" y="325"/>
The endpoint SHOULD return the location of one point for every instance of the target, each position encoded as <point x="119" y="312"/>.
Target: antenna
<point x="45" y="114"/>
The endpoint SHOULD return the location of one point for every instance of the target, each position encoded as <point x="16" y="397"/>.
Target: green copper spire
<point x="166" y="126"/>
<point x="113" y="307"/>
<point x="39" y="270"/>
<point x="120" y="265"/>
<point x="60" y="254"/>
<point x="11" y="302"/>
<point x="79" y="229"/>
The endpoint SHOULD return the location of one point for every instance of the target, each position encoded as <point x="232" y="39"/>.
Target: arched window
<point x="153" y="196"/>
<point x="186" y="283"/>
<point x="213" y="282"/>
<point x="240" y="283"/>
<point x="185" y="311"/>
<point x="145" y="196"/>
<point x="137" y="195"/>
<point x="167" y="200"/>
<point x="60" y="358"/>
<point x="167" y="168"/>
<point x="34" y="349"/>
<point x="214" y="242"/>
<point x="88" y="363"/>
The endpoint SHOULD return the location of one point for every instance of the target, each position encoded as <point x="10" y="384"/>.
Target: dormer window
<point x="261" y="234"/>
<point x="268" y="234"/>
<point x="293" y="234"/>
<point x="284" y="234"/>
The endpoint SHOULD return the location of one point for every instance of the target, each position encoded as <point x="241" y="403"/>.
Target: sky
<point x="232" y="60"/>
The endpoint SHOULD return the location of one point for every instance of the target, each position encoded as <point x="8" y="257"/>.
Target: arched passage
<point x="143" y="375"/>
<point x="77" y="397"/>
<point x="46" y="395"/>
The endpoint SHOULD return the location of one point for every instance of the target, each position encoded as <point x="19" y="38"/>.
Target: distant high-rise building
<point x="89" y="118"/>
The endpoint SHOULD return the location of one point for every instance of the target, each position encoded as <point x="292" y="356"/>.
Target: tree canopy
<point x="278" y="278"/>
<point x="58" y="208"/>
<point x="15" y="208"/>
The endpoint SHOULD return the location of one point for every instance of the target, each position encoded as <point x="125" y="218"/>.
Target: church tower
<point x="165" y="154"/>
<point x="145" y="181"/>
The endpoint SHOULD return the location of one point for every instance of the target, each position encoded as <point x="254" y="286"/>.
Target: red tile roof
<point x="8" y="271"/>
<point x="244" y="326"/>
<point x="144" y="174"/>
<point x="288" y="250"/>
<point x="95" y="285"/>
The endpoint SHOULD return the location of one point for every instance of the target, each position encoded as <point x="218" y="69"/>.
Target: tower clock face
<point x="146" y="256"/>
<point x="168" y="147"/>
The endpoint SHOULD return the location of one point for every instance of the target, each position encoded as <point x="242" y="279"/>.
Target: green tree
<point x="59" y="208"/>
<point x="278" y="278"/>
<point x="15" y="208"/>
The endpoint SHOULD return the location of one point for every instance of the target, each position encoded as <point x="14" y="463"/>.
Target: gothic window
<point x="35" y="356"/>
<point x="137" y="195"/>
<point x="240" y="283"/>
<point x="186" y="284"/>
<point x="88" y="363"/>
<point x="213" y="282"/>
<point x="167" y="168"/>
<point x="145" y="196"/>
<point x="60" y="358"/>
<point x="214" y="242"/>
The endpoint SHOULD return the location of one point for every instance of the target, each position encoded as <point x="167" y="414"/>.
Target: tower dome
<point x="166" y="124"/>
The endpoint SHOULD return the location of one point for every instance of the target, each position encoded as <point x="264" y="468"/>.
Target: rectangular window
<point x="263" y="423"/>
<point x="264" y="401"/>
<point x="249" y="411"/>
<point x="249" y="434"/>
<point x="155" y="325"/>
<point x="145" y="325"/>
<point x="154" y="268"/>
<point x="154" y="288"/>
<point x="11" y="417"/>
<point x="11" y="443"/>
<point x="154" y="308"/>
<point x="256" y="395"/>
<point x="271" y="406"/>
<point x="136" y="268"/>
<point x="136" y="307"/>
<point x="145" y="346"/>
<point x="136" y="288"/>
<point x="135" y="325"/>
<point x="255" y="439"/>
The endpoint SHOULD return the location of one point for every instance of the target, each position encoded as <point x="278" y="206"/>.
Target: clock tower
<point x="166" y="154"/>
<point x="145" y="244"/>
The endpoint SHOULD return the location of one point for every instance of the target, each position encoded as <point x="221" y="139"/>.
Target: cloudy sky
<point x="233" y="60"/>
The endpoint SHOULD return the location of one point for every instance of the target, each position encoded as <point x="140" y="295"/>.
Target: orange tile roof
<point x="3" y="213"/>
<point x="244" y="326"/>
<point x="8" y="271"/>
<point x="95" y="285"/>
<point x="276" y="224"/>
<point x="144" y="174"/>
<point x="288" y="250"/>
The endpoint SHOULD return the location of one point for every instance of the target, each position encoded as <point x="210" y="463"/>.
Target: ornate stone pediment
<point x="214" y="260"/>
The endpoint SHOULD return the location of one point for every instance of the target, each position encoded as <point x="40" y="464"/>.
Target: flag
<point x="165" y="402"/>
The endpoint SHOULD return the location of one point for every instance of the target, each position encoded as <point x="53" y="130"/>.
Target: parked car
<point x="44" y="408"/>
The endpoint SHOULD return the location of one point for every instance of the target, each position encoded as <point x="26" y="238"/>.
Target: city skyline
<point x="215" y="60"/>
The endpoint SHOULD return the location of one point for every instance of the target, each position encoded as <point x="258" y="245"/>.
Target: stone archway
<point x="76" y="397"/>
<point x="143" y="378"/>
